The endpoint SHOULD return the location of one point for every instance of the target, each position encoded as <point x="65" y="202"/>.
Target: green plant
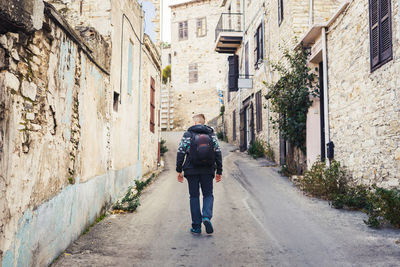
<point x="290" y="96"/>
<point x="269" y="153"/>
<point x="221" y="136"/>
<point x="131" y="201"/>
<point x="163" y="147"/>
<point x="256" y="149"/>
<point x="166" y="74"/>
<point x="222" y="110"/>
<point x="384" y="207"/>
<point x="325" y="182"/>
<point x="354" y="198"/>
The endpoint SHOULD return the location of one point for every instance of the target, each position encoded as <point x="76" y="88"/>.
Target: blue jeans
<point x="205" y="181"/>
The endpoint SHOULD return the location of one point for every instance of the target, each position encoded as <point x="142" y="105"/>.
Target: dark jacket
<point x="183" y="150"/>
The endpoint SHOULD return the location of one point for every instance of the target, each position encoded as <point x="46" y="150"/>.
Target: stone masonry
<point x="200" y="96"/>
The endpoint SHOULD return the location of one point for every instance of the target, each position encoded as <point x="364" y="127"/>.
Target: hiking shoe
<point x="207" y="223"/>
<point x="195" y="230"/>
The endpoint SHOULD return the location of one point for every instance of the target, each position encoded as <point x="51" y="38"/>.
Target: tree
<point x="290" y="96"/>
<point x="166" y="74"/>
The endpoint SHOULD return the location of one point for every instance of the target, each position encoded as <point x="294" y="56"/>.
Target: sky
<point x="149" y="14"/>
<point x="166" y="29"/>
<point x="166" y="23"/>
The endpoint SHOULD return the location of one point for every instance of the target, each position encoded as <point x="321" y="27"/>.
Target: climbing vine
<point x="290" y="96"/>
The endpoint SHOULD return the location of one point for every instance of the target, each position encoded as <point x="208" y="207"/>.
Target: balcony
<point x="229" y="33"/>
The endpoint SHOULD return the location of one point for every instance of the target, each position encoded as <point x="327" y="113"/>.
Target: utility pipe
<point x="139" y="164"/>
<point x="311" y="14"/>
<point x="326" y="96"/>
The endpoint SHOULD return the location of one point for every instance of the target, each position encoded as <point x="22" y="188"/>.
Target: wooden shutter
<point x="233" y="73"/>
<point x="234" y="125"/>
<point x="385" y="30"/>
<point x="242" y="127"/>
<point x="280" y="11"/>
<point x="152" y="104"/>
<point x="374" y="32"/>
<point x="380" y="32"/>
<point x="258" y="111"/>
<point x="261" y="42"/>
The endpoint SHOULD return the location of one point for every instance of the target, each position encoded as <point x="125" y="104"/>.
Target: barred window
<point x="183" y="30"/>
<point x="193" y="73"/>
<point x="201" y="27"/>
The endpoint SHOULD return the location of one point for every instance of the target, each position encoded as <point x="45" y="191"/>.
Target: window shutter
<point x="374" y="25"/>
<point x="233" y="73"/>
<point x="385" y="30"/>
<point x="152" y="104"/>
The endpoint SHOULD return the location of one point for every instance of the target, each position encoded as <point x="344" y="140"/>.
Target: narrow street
<point x="261" y="219"/>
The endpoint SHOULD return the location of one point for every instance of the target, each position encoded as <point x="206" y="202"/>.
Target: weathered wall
<point x="25" y="15"/>
<point x="200" y="97"/>
<point x="55" y="136"/>
<point x="65" y="154"/>
<point x="364" y="112"/>
<point x="151" y="69"/>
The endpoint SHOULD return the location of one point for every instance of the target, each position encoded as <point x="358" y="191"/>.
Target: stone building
<point x="79" y="120"/>
<point x="364" y="90"/>
<point x="197" y="70"/>
<point x="356" y="111"/>
<point x="167" y="93"/>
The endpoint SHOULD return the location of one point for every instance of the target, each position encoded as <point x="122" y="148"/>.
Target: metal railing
<point x="229" y="22"/>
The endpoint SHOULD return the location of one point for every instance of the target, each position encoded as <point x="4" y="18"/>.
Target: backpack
<point x="202" y="151"/>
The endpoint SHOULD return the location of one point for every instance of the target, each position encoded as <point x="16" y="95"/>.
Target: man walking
<point x="199" y="156"/>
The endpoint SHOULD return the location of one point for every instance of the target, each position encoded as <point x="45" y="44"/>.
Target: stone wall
<point x="54" y="139"/>
<point x="364" y="112"/>
<point x="65" y="153"/>
<point x="199" y="97"/>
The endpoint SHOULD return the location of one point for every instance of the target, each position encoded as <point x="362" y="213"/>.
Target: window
<point x="246" y="60"/>
<point x="183" y="30"/>
<point x="233" y="73"/>
<point x="234" y="125"/>
<point x="152" y="104"/>
<point x="130" y="68"/>
<point x="201" y="27"/>
<point x="259" y="111"/>
<point x="115" y="101"/>
<point x="380" y="21"/>
<point x="258" y="46"/>
<point x="193" y="73"/>
<point x="280" y="12"/>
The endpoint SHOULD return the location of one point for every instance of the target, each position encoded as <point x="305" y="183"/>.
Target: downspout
<point x="265" y="67"/>
<point x="326" y="96"/>
<point x="122" y="56"/>
<point x="139" y="164"/>
<point x="161" y="85"/>
<point x="311" y="14"/>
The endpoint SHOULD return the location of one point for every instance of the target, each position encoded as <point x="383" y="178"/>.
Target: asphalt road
<point x="260" y="219"/>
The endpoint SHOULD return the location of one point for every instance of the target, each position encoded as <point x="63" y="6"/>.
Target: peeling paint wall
<point x="65" y="153"/>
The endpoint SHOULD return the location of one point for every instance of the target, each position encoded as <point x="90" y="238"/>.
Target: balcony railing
<point x="229" y="22"/>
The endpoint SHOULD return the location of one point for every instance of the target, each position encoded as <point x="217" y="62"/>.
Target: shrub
<point x="269" y="153"/>
<point x="333" y="183"/>
<point x="325" y="182"/>
<point x="383" y="207"/>
<point x="221" y="136"/>
<point x="256" y="149"/>
<point x="354" y="198"/>
<point x="163" y="147"/>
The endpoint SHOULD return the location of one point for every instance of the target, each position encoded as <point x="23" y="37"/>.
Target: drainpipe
<point x="326" y="96"/>
<point x="139" y="164"/>
<point x="311" y="14"/>
<point x="265" y="66"/>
